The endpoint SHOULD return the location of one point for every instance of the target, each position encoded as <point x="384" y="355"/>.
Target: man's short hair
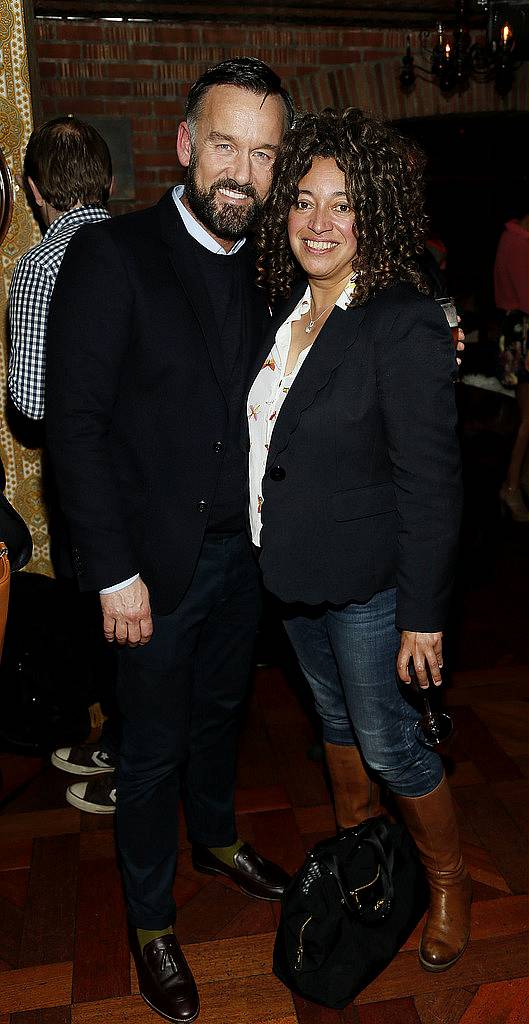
<point x="246" y="72"/>
<point x="69" y="161"/>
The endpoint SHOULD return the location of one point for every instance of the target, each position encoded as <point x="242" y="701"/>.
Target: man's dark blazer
<point x="136" y="413"/>
<point x="362" y="490"/>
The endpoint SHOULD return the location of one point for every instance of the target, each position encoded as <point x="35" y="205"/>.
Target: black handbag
<point x="348" y="910"/>
<point x="42" y="684"/>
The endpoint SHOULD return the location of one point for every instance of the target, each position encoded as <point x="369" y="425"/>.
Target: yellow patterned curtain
<point x="22" y="465"/>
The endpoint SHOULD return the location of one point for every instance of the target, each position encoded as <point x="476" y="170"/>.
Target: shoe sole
<point x="174" y="1020"/>
<point x="77" y="769"/>
<point x="217" y="871"/>
<point x="85" y="805"/>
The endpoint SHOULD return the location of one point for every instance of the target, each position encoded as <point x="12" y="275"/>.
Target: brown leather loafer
<point x="253" y="874"/>
<point x="165" y="980"/>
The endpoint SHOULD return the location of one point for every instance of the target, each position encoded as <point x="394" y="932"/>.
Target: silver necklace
<point x="314" y="321"/>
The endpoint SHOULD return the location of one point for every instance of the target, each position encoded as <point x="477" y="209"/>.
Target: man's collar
<point x="83" y="214"/>
<point x="197" y="231"/>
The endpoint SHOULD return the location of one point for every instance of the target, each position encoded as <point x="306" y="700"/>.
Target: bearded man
<point x="153" y="332"/>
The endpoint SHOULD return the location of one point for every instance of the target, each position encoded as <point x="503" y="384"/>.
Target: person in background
<point x="432" y="262"/>
<point x="67" y="174"/>
<point x="154" y="327"/>
<point x="511" y="295"/>
<point x="355" y="481"/>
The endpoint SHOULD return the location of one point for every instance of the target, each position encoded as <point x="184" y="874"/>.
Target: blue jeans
<point x="348" y="656"/>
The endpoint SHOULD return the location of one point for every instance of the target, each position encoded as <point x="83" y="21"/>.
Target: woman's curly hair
<point x="384" y="184"/>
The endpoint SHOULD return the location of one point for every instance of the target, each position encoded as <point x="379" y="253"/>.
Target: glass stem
<point x="427" y="707"/>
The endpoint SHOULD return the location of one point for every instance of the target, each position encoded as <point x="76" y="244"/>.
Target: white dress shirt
<point x="198" y="232"/>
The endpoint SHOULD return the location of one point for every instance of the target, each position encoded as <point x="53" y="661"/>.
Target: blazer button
<point x="218" y="446"/>
<point x="202" y="506"/>
<point x="277" y="473"/>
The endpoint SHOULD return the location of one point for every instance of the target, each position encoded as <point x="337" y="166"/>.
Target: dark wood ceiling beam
<point x="367" y="13"/>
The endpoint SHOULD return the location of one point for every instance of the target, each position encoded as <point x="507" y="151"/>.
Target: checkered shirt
<point x="29" y="301"/>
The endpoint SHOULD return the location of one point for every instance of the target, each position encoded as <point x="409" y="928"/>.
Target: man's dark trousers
<point x="180" y="696"/>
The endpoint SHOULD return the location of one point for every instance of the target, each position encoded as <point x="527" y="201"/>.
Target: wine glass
<point x="447" y="304"/>
<point x="434" y="727"/>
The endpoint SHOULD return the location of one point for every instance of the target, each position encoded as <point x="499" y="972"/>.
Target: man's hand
<point x="127" y="615"/>
<point x="423" y="648"/>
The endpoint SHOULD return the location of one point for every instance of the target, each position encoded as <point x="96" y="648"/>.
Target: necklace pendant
<point x="309" y="326"/>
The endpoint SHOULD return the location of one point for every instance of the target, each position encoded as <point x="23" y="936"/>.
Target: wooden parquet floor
<point x="63" y="945"/>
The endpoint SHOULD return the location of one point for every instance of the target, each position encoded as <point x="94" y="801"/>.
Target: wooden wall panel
<point x="22" y="465"/>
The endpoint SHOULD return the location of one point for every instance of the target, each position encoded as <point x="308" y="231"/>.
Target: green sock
<point x="145" y="935"/>
<point x="226" y="853"/>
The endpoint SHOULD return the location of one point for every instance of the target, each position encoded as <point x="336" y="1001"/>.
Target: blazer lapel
<point x="256" y="312"/>
<point x="176" y="237"/>
<point x="284" y="310"/>
<point x="337" y="335"/>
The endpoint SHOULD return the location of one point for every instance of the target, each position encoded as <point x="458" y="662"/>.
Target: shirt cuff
<point x="120" y="586"/>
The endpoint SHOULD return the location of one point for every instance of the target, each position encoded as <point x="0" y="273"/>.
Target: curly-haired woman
<point x="355" y="490"/>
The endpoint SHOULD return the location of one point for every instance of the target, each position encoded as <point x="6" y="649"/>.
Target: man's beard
<point x="228" y="221"/>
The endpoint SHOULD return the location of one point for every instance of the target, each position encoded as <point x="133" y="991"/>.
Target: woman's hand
<point x="460" y="341"/>
<point x="424" y="648"/>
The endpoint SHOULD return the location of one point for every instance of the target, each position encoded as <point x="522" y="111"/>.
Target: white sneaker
<point x="86" y="759"/>
<point x="97" y="796"/>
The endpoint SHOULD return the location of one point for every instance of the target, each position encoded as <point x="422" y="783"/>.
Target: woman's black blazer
<point x="362" y="489"/>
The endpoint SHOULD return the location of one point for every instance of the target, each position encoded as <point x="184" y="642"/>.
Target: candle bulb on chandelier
<point x="453" y="65"/>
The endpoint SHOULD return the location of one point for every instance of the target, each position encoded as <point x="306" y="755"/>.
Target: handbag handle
<point x="363" y="901"/>
<point x="5" y="577"/>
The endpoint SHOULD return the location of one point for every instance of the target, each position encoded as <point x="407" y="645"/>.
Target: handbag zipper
<point x="354" y="892"/>
<point x="299" y="955"/>
<point x="4" y="562"/>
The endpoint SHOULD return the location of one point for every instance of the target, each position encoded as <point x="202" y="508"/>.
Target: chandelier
<point x="454" y="60"/>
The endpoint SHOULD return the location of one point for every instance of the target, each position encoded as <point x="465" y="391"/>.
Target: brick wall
<point x="143" y="70"/>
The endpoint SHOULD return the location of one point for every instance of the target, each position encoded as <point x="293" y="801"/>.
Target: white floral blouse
<point x="268" y="392"/>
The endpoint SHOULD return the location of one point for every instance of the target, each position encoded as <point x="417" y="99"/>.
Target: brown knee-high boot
<point x="356" y="796"/>
<point x="432" y="823"/>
